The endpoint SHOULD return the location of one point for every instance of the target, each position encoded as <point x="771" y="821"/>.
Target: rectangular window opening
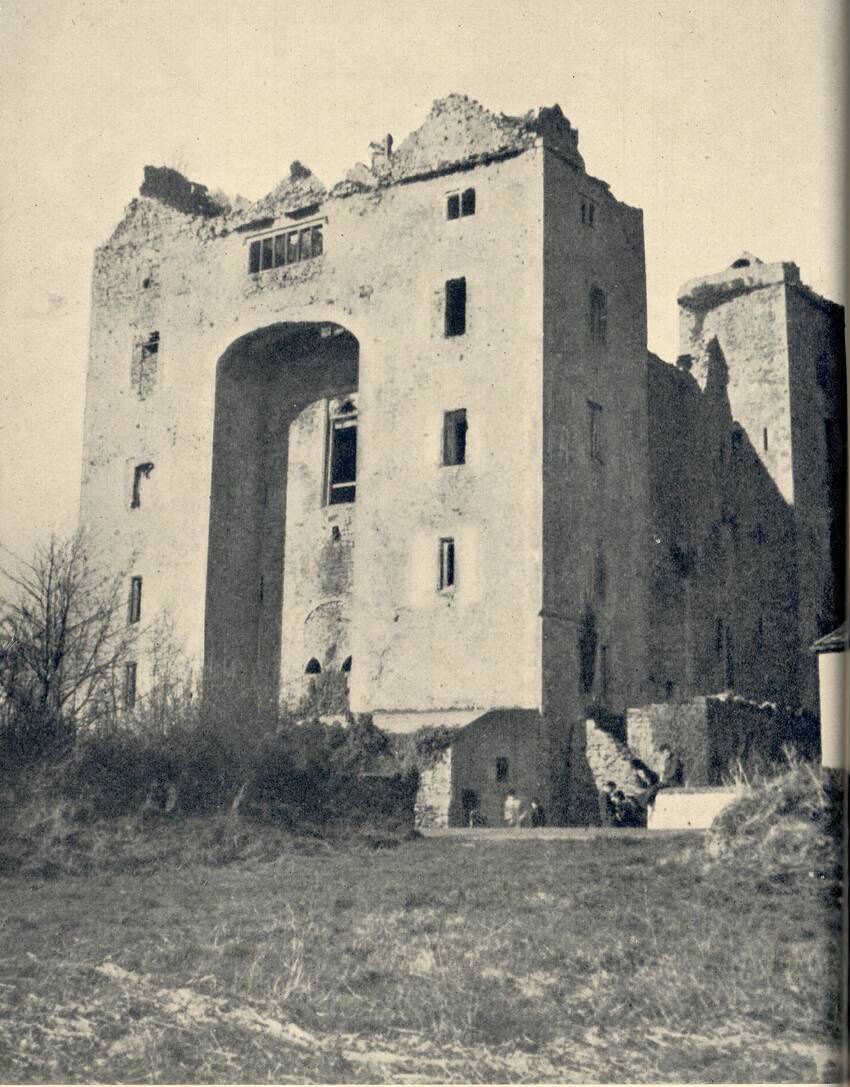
<point x="129" y="692"/>
<point x="467" y="202"/>
<point x="134" y="604"/>
<point x="447" y="563"/>
<point x="455" y="307"/>
<point x="287" y="247"/>
<point x="453" y="206"/>
<point x="342" y="461"/>
<point x="454" y="437"/>
<point x="502" y="768"/>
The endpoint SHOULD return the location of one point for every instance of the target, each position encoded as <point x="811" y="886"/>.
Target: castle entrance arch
<point x="264" y="380"/>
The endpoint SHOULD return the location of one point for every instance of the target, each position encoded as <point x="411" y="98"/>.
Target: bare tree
<point x="63" y="635"/>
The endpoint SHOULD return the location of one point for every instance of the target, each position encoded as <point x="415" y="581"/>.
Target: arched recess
<point x="263" y="381"/>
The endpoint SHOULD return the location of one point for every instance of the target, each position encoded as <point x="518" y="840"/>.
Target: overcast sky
<point x="722" y="120"/>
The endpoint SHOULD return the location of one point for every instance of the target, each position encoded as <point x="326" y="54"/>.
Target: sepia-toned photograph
<point x="423" y="524"/>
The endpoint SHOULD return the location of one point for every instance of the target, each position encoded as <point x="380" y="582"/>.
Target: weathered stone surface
<point x="620" y="535"/>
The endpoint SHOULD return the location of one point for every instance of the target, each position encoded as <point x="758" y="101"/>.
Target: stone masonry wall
<point x="434" y="796"/>
<point x="711" y="735"/>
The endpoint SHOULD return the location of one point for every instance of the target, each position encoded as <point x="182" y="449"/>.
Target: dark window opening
<point x="454" y="437"/>
<point x="718" y="637"/>
<point x="459" y="205"/>
<point x="336" y="535"/>
<point x="288" y="247"/>
<point x="594" y="422"/>
<point x="764" y="438"/>
<point x="455" y="307"/>
<point x="447" y="563"/>
<point x="598" y="315"/>
<point x="146" y="282"/>
<point x="134" y="603"/>
<point x="346" y="665"/>
<point x="588" y="209"/>
<point x="261" y="589"/>
<point x="669" y="688"/>
<point x="342" y="486"/>
<point x="129" y="693"/>
<point x="313" y="667"/>
<point x="604" y="677"/>
<point x="140" y="472"/>
<point x="591" y="211"/>
<point x="737" y="440"/>
<point x="150" y="346"/>
<point x="502" y="768"/>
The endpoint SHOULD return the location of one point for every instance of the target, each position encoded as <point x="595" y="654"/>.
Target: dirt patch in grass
<point x="438" y="961"/>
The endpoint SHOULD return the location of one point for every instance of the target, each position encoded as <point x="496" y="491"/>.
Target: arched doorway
<point x="263" y="381"/>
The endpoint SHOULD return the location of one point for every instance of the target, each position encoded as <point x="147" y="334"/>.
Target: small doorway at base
<point x="470" y="814"/>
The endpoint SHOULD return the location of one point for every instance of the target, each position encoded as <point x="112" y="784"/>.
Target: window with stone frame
<point x="447" y="567"/>
<point x="460" y="204"/>
<point x="285" y="247"/>
<point x="342" y="459"/>
<point x="134" y="601"/>
<point x="454" y="437"/>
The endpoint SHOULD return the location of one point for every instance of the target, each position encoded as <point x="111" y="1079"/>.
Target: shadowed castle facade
<point x="407" y="431"/>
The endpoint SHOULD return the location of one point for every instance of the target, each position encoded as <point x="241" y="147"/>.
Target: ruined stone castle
<point x="405" y="436"/>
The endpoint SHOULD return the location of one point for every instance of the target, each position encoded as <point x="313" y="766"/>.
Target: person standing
<point x="512" y="811"/>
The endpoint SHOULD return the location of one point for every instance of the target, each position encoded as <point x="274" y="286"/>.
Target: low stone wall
<point x="434" y="795"/>
<point x="681" y="726"/>
<point x="712" y="734"/>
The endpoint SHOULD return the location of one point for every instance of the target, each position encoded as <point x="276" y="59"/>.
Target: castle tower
<point x="768" y="355"/>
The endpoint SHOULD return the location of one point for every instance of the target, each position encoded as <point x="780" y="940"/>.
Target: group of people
<point x="518" y="814"/>
<point x="617" y="809"/>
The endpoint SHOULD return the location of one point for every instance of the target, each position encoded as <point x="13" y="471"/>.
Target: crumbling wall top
<point x="744" y="275"/>
<point x="174" y="190"/>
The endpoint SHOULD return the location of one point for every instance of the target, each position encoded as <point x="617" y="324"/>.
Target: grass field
<point x="442" y="960"/>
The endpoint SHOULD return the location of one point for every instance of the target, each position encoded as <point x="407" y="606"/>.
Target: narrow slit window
<point x="455" y="307"/>
<point x="447" y="563"/>
<point x="454" y="437"/>
<point x="134" y="604"/>
<point x="129" y="693"/>
<point x="342" y="476"/>
<point x="502" y="769"/>
<point x="594" y="426"/>
<point x="140" y="472"/>
<point x="598" y="315"/>
<point x="764" y="438"/>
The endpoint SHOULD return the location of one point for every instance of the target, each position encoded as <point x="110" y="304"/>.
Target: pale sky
<point x="722" y="119"/>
